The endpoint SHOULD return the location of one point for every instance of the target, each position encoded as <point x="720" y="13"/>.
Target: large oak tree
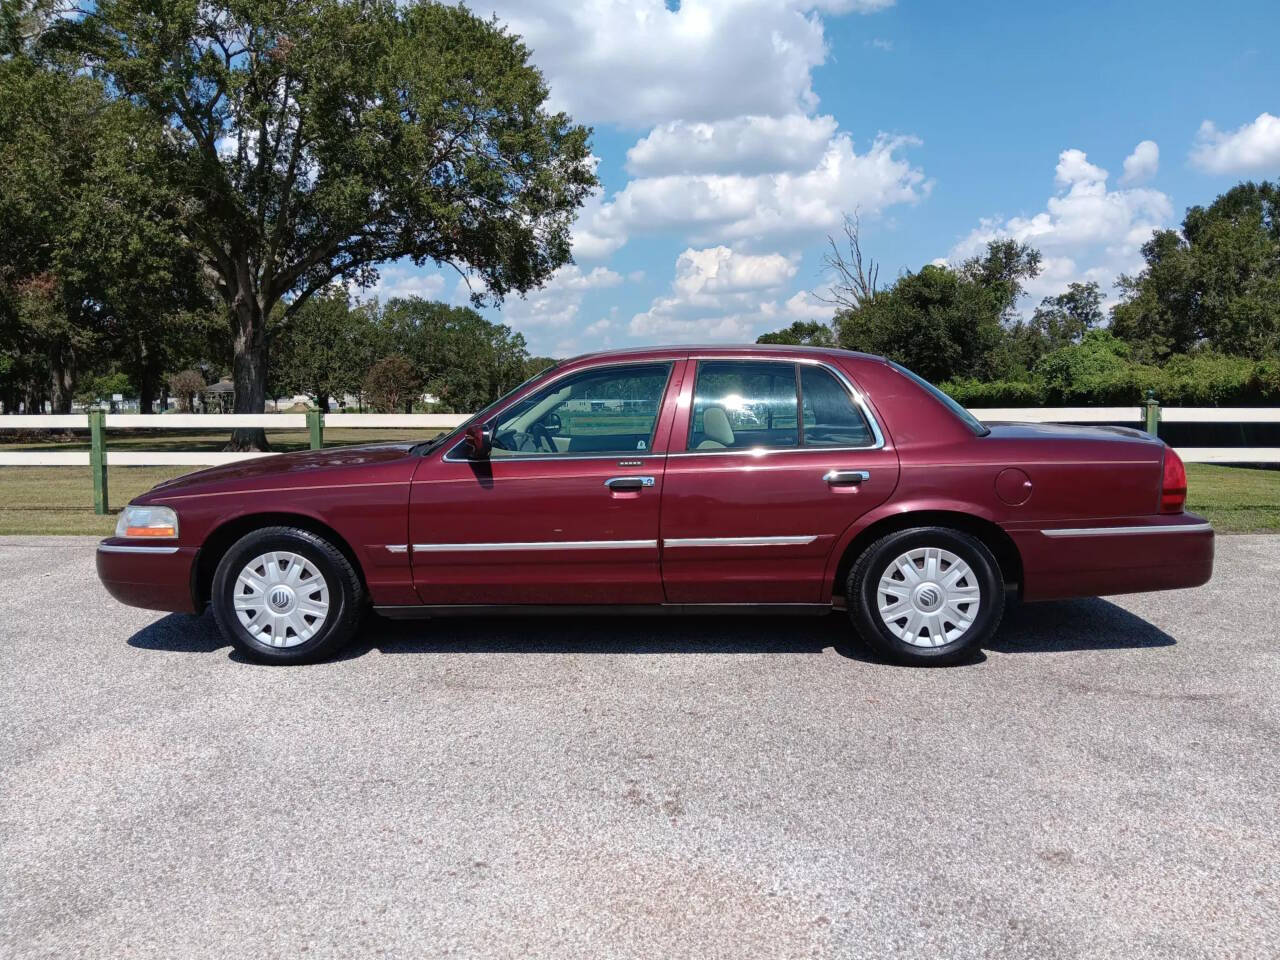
<point x="319" y="138"/>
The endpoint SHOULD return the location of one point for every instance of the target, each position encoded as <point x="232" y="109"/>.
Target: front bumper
<point x="1122" y="556"/>
<point x="152" y="576"/>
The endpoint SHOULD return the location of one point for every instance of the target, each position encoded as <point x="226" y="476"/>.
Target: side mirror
<point x="478" y="441"/>
<point x="551" y="423"/>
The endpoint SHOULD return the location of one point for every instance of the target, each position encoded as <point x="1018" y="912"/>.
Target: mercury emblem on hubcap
<point x="928" y="597"/>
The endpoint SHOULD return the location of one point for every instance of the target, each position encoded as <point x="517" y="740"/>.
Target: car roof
<point x="721" y="350"/>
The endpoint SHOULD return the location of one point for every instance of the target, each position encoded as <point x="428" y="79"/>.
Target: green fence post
<point x="98" y="459"/>
<point x="315" y="423"/>
<point x="1153" y="414"/>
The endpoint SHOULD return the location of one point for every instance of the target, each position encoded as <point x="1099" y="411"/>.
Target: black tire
<point x="345" y="595"/>
<point x="862" y="595"/>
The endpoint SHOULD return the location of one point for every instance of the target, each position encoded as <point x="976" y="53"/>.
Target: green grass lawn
<point x="1235" y="499"/>
<point x="60" y="499"/>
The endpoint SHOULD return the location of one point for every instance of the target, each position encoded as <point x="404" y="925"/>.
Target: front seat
<point x="716" y="429"/>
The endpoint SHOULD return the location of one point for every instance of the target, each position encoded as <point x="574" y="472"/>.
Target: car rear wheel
<point x="286" y="595"/>
<point x="926" y="595"/>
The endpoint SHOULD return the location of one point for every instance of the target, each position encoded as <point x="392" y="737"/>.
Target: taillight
<point x="1173" y="485"/>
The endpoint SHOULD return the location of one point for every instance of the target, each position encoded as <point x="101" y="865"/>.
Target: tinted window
<point x="740" y="404"/>
<point x="609" y="410"/>
<point x="831" y="419"/>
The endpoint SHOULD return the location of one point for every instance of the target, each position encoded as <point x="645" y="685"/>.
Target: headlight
<point x="147" y="522"/>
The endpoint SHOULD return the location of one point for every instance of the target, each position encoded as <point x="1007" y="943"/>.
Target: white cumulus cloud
<point x="721" y="295"/>
<point x="404" y="280"/>
<point x="732" y="206"/>
<point x="748" y="144"/>
<point x="717" y="270"/>
<point x="636" y="63"/>
<point x="1086" y="231"/>
<point x="1143" y="163"/>
<point x="1253" y="146"/>
<point x="556" y="303"/>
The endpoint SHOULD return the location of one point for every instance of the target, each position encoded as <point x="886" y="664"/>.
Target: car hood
<point x="301" y="466"/>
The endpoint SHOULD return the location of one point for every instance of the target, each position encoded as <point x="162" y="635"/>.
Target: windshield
<point x="969" y="420"/>
<point x="483" y="413"/>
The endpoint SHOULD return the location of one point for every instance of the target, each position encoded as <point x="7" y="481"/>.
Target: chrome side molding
<point x="130" y="548"/>
<point x="534" y="545"/>
<point x="1129" y="531"/>
<point x="738" y="541"/>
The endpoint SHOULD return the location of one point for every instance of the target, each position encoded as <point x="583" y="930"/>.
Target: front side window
<point x="740" y="404"/>
<point x="603" y="411"/>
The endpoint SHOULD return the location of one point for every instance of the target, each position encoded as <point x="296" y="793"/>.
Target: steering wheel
<point x="521" y="441"/>
<point x="541" y="435"/>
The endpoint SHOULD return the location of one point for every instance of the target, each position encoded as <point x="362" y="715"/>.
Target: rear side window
<point x="831" y="419"/>
<point x="747" y="404"/>
<point x="740" y="404"/>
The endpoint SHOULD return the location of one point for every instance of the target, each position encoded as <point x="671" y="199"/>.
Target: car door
<point x="779" y="458"/>
<point x="564" y="510"/>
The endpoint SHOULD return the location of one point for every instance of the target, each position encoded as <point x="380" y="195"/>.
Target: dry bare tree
<point x="853" y="277"/>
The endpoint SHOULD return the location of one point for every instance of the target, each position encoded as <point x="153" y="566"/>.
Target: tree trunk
<point x="249" y="369"/>
<point x="148" y="379"/>
<point x="61" y="380"/>
<point x="322" y="401"/>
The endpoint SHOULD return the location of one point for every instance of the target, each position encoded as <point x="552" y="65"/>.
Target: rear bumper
<point x="1131" y="555"/>
<point x="151" y="576"/>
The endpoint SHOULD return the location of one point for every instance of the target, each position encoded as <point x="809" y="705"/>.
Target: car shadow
<point x="1058" y="626"/>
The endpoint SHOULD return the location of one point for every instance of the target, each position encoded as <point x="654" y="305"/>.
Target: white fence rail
<point x="1060" y="414"/>
<point x="435" y="421"/>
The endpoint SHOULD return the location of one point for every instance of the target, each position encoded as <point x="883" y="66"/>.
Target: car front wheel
<point x="286" y="595"/>
<point x="926" y="595"/>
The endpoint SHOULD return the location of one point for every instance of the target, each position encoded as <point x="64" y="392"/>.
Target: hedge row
<point x="1187" y="380"/>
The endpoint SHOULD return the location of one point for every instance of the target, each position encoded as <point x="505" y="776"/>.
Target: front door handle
<point x="843" y="478"/>
<point x="628" y="483"/>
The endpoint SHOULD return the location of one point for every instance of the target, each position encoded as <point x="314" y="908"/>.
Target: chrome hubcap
<point x="928" y="597"/>
<point x="281" y="599"/>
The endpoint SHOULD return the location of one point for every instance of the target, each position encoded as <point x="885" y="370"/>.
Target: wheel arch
<point x="986" y="530"/>
<point x="222" y="537"/>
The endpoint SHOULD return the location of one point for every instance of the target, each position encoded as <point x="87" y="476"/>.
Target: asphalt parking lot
<point x="1104" y="781"/>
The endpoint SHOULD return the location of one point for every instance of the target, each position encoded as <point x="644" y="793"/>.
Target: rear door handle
<point x="628" y="483"/>
<point x="843" y="478"/>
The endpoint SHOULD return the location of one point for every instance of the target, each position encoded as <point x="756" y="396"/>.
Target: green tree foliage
<point x="186" y="385"/>
<point x="327" y="350"/>
<point x="393" y="384"/>
<point x="317" y="139"/>
<point x="1058" y="322"/>
<point x="1215" y="283"/>
<point x="1098" y="367"/>
<point x="944" y="322"/>
<point x="809" y="333"/>
<point x="92" y="264"/>
<point x="535" y="365"/>
<point x="465" y="360"/>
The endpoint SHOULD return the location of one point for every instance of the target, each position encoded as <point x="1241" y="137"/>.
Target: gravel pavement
<point x="1103" y="781"/>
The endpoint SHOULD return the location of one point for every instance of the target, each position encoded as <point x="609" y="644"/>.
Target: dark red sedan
<point x="675" y="480"/>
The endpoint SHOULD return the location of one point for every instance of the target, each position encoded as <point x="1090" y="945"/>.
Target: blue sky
<point x="731" y="136"/>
